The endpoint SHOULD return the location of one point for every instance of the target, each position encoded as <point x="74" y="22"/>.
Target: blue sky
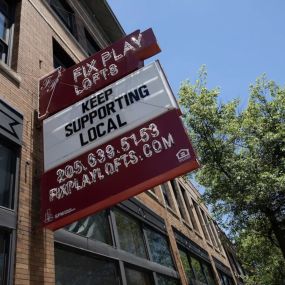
<point x="236" y="40"/>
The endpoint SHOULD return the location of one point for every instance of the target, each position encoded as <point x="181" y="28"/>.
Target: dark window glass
<point x="187" y="268"/>
<point x="95" y="227"/>
<point x="208" y="228"/>
<point x="65" y="13"/>
<point x="216" y="239"/>
<point x="6" y="21"/>
<point x="198" y="271"/>
<point x="8" y="159"/>
<point x="60" y="57"/>
<point x="4" y="258"/>
<point x="135" y="277"/>
<point x="165" y="280"/>
<point x="164" y="190"/>
<point x="91" y="45"/>
<point x="202" y="223"/>
<point x="225" y="279"/>
<point x="130" y="234"/>
<point x="178" y="200"/>
<point x="208" y="273"/>
<point x="190" y="209"/>
<point x="3" y="52"/>
<point x="78" y="269"/>
<point x="4" y="26"/>
<point x="159" y="248"/>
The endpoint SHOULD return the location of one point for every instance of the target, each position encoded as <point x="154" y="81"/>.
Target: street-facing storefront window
<point x="78" y="269"/>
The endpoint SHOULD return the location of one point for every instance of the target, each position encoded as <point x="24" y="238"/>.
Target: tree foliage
<point x="262" y="260"/>
<point x="242" y="155"/>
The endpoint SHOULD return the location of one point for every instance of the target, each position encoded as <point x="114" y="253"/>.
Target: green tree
<point x="242" y="155"/>
<point x="262" y="260"/>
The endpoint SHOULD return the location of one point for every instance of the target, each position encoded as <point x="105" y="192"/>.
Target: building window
<point x="91" y="46"/>
<point x="165" y="194"/>
<point x="159" y="248"/>
<point x="165" y="280"/>
<point x="65" y="13"/>
<point x="139" y="252"/>
<point x="190" y="209"/>
<point x="180" y="205"/>
<point x="7" y="9"/>
<point x="216" y="238"/>
<point x="186" y="266"/>
<point x="130" y="234"/>
<point x="8" y="160"/>
<point x="95" y="227"/>
<point x="196" y="269"/>
<point x="78" y="268"/>
<point x="225" y="279"/>
<point x="208" y="227"/>
<point x="202" y="222"/>
<point x="60" y="56"/>
<point x="138" y="277"/>
<point x="4" y="256"/>
<point x="10" y="144"/>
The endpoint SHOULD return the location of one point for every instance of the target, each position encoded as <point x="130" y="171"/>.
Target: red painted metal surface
<point x="64" y="87"/>
<point x="149" y="155"/>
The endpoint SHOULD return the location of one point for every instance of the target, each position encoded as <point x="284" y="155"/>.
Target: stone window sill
<point x="8" y="72"/>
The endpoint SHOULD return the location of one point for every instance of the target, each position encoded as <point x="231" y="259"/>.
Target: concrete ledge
<point x="6" y="70"/>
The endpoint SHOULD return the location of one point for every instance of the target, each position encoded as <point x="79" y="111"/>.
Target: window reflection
<point x="208" y="273"/>
<point x="4" y="245"/>
<point x="185" y="262"/>
<point x="165" y="280"/>
<point x="159" y="248"/>
<point x="199" y="275"/>
<point x="78" y="269"/>
<point x="130" y="234"/>
<point x="6" y="23"/>
<point x="136" y="277"/>
<point x="7" y="175"/>
<point x="65" y="13"/>
<point x="196" y="269"/>
<point x="94" y="227"/>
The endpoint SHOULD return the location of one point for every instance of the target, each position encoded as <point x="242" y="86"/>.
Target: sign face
<point x="118" y="108"/>
<point x="62" y="88"/>
<point x="154" y="152"/>
<point x="11" y="123"/>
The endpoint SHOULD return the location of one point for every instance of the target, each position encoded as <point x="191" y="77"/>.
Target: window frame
<point x="14" y="187"/>
<point x="146" y="218"/>
<point x="91" y="255"/>
<point x="8" y="42"/>
<point x="165" y="191"/>
<point x="58" y="52"/>
<point x="67" y="9"/>
<point x="201" y="263"/>
<point x="90" y="41"/>
<point x="181" y="207"/>
<point x="8" y="221"/>
<point x="150" y="254"/>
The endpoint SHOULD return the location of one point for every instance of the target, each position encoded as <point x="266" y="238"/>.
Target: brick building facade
<point x="163" y="236"/>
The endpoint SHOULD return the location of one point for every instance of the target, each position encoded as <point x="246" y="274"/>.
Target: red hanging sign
<point x="63" y="88"/>
<point x="140" y="159"/>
